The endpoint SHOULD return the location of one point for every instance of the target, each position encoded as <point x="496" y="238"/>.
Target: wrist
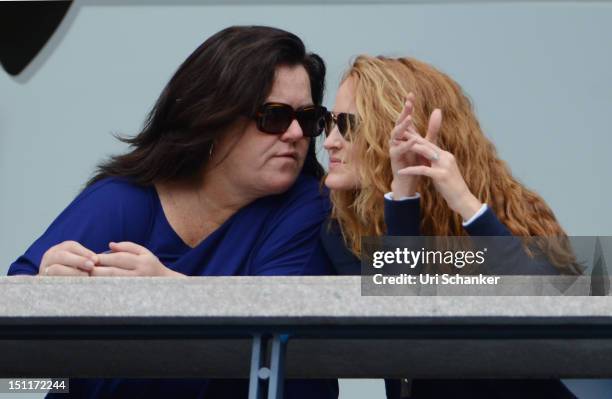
<point x="402" y="189"/>
<point x="468" y="207"/>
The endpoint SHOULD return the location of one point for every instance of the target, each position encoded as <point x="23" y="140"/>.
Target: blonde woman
<point x="408" y="157"/>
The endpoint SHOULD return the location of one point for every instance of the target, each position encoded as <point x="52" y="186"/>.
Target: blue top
<point x="275" y="235"/>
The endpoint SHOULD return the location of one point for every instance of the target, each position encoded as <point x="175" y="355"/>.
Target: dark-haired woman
<point x="222" y="180"/>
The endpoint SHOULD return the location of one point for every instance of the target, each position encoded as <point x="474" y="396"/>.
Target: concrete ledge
<point x="332" y="299"/>
<point x="201" y="327"/>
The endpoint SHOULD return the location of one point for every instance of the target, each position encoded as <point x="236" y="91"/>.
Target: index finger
<point x="128" y="246"/>
<point x="407" y="110"/>
<point x="401" y="130"/>
<point x="433" y="128"/>
<point x="78" y="249"/>
<point x="122" y="260"/>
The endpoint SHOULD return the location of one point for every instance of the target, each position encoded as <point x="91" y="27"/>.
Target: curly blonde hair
<point x="381" y="86"/>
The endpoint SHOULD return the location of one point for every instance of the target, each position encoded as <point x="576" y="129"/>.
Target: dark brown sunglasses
<point x="343" y="120"/>
<point x="275" y="118"/>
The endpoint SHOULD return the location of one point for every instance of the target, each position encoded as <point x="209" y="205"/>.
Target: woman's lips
<point x="334" y="162"/>
<point x="287" y="155"/>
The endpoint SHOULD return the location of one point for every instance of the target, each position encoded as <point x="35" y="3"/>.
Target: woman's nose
<point x="333" y="140"/>
<point x="293" y="133"/>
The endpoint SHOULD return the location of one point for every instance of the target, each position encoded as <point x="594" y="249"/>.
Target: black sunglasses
<point x="275" y="118"/>
<point x="343" y="120"/>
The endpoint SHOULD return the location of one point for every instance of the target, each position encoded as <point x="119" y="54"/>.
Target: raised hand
<point x="441" y="167"/>
<point x="403" y="138"/>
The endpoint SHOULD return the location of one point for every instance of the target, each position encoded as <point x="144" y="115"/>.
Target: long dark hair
<point x="230" y="75"/>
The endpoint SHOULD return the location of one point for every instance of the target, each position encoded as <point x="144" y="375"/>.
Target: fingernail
<point x="89" y="264"/>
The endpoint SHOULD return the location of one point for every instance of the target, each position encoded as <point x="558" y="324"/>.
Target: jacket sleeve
<point x="507" y="255"/>
<point x="403" y="218"/>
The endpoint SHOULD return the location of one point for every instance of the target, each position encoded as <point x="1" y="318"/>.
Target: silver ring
<point x="435" y="156"/>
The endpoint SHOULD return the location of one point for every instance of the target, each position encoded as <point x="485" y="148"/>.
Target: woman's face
<point x="262" y="163"/>
<point x="343" y="173"/>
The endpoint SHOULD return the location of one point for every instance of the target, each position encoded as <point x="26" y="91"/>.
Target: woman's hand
<point x="68" y="258"/>
<point x="130" y="259"/>
<point x="442" y="168"/>
<point x="402" y="140"/>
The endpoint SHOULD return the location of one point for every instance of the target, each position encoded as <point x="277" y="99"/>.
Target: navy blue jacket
<point x="402" y="218"/>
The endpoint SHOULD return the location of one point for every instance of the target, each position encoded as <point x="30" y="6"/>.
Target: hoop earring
<point x="212" y="147"/>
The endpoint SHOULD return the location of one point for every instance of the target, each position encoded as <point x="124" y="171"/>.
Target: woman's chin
<point x="338" y="182"/>
<point x="281" y="183"/>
